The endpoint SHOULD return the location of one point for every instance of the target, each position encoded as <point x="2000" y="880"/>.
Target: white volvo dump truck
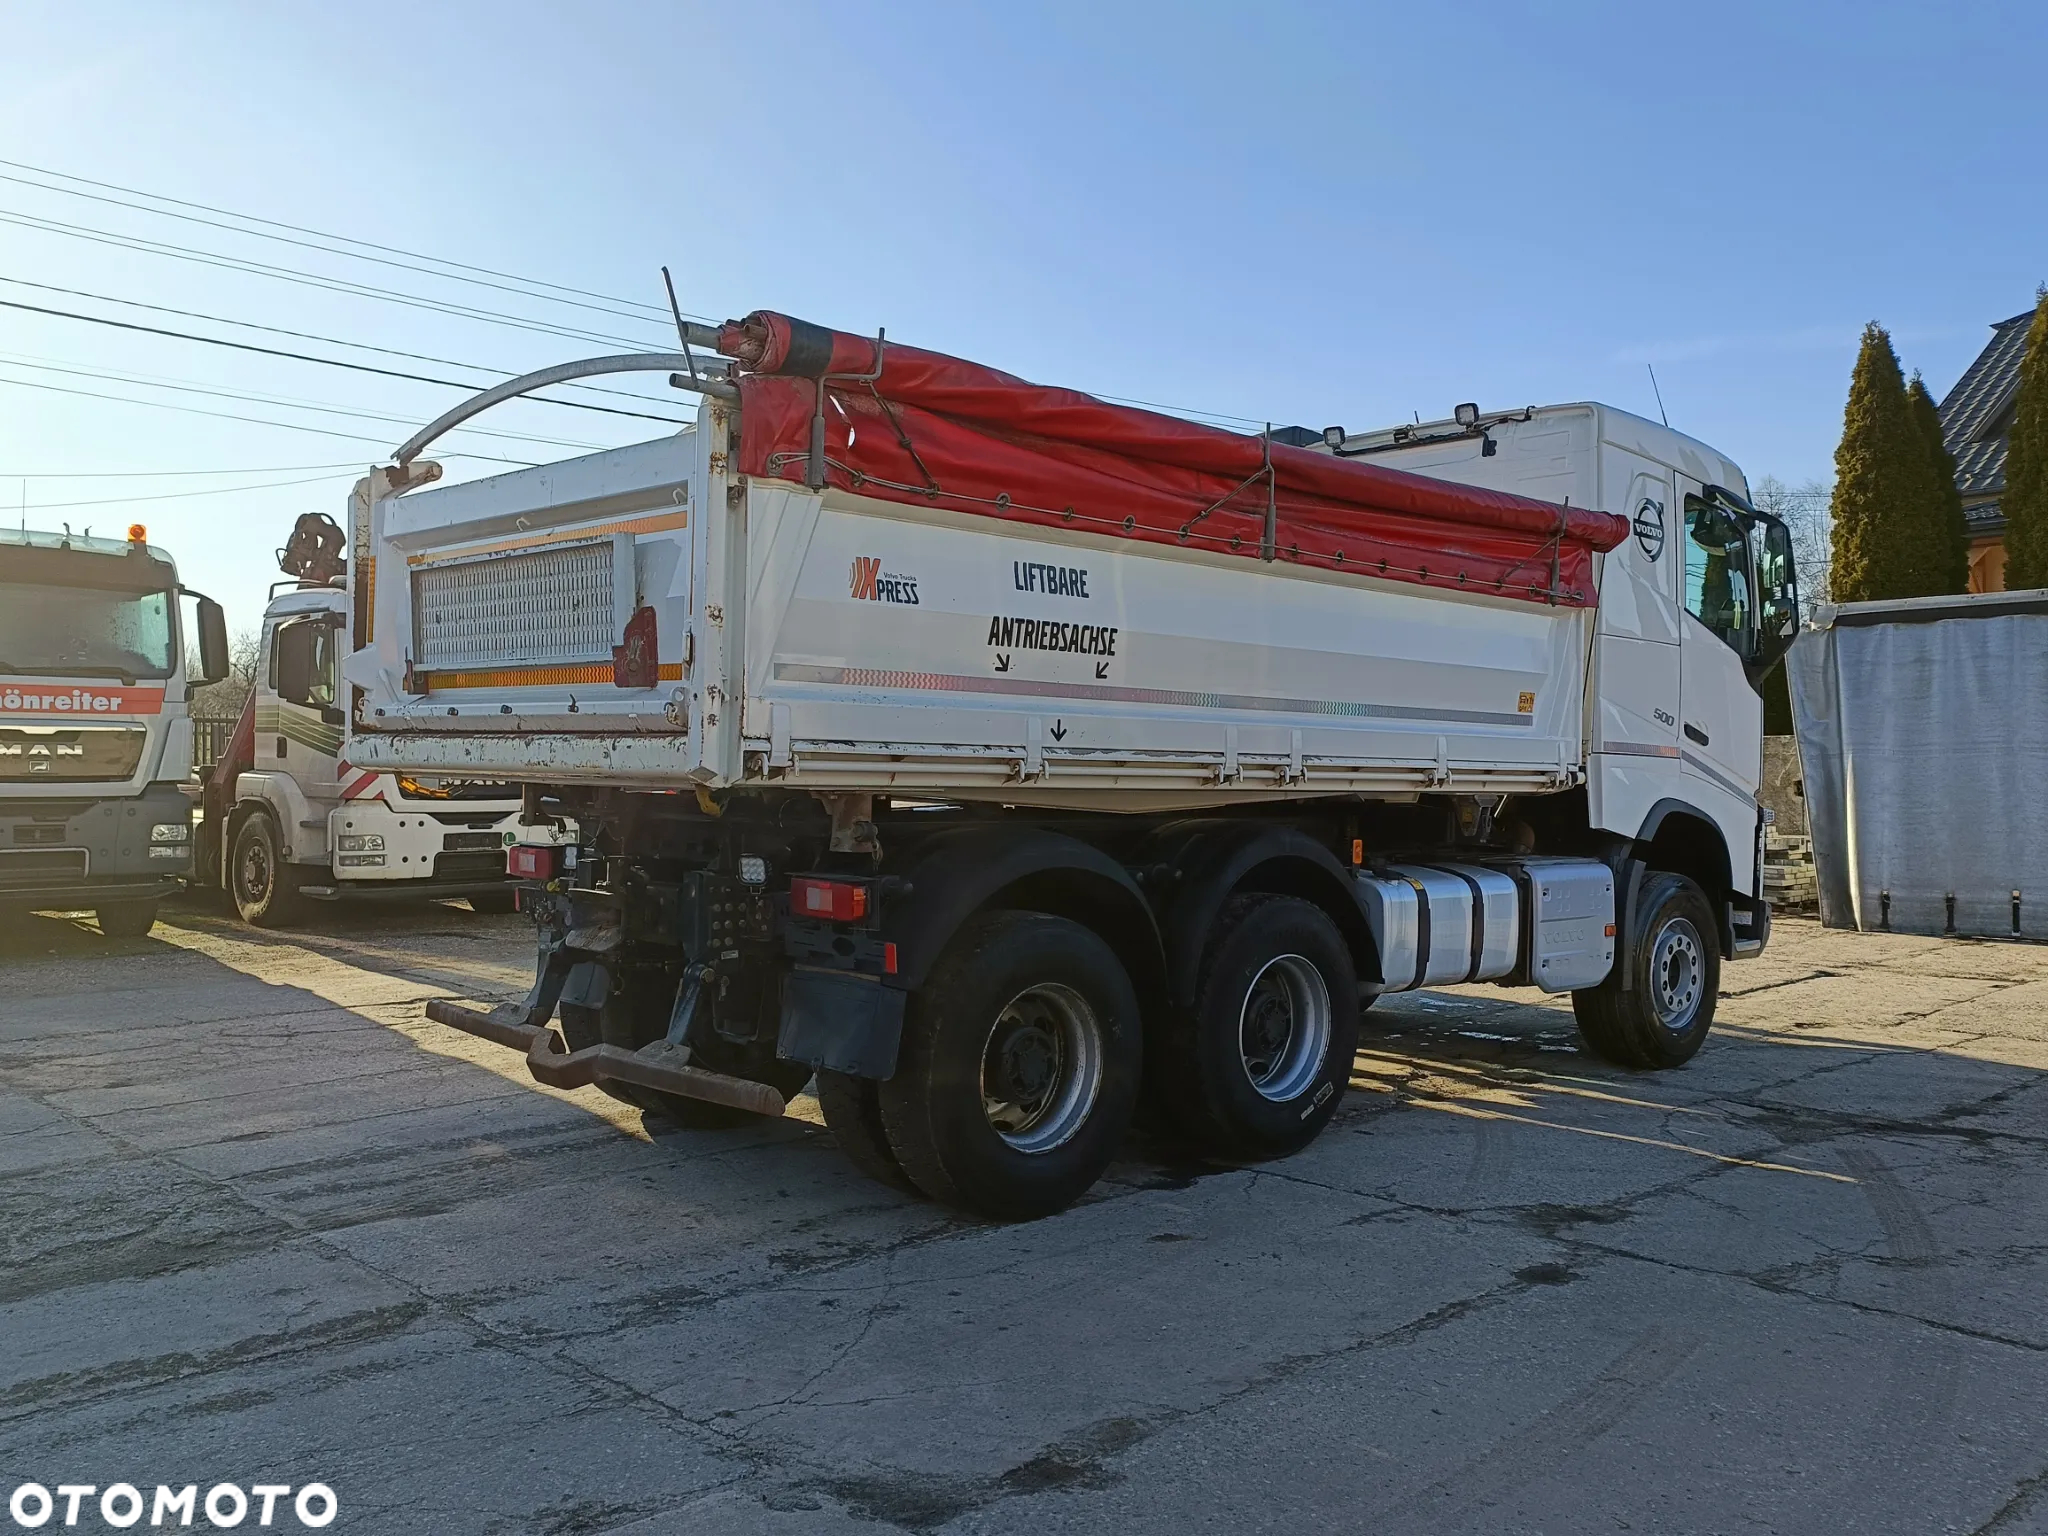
<point x="999" y="755"/>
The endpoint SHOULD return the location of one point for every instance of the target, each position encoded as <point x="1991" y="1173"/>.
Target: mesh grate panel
<point x="543" y="606"/>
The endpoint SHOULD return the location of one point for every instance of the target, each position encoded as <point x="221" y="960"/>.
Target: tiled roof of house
<point x="1976" y="414"/>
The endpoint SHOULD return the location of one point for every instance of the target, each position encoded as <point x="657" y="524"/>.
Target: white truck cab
<point x="100" y="647"/>
<point x="1674" y="722"/>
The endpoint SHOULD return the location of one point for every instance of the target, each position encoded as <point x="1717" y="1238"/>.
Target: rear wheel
<point x="265" y="887"/>
<point x="1672" y="971"/>
<point x="1256" y="1068"/>
<point x="853" y="1114"/>
<point x="126" y="919"/>
<point x="1018" y="1069"/>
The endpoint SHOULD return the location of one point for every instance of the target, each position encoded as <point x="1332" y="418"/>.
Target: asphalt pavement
<point x="262" y="1223"/>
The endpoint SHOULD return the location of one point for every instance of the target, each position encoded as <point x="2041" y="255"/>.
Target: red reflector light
<point x="889" y="959"/>
<point x="836" y="901"/>
<point x="528" y="863"/>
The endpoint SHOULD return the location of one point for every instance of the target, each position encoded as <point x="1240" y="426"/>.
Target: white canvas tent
<point x="1923" y="735"/>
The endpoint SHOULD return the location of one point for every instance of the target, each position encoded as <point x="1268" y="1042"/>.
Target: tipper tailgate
<point x="529" y="620"/>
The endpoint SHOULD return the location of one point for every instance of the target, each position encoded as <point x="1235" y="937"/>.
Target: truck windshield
<point x="50" y="630"/>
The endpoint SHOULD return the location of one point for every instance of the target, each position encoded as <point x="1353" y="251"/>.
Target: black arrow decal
<point x="1002" y="663"/>
<point x="1059" y="731"/>
<point x="1102" y="669"/>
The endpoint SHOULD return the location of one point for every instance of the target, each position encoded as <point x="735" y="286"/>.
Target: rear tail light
<point x="836" y="901"/>
<point x="528" y="863"/>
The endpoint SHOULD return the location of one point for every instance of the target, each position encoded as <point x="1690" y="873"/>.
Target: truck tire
<point x="1673" y="967"/>
<point x="853" y="1114"/>
<point x="1018" y="1069"/>
<point x="126" y="919"/>
<point x="265" y="887"/>
<point x="616" y="1024"/>
<point x="1258" y="1065"/>
<point x="494" y="903"/>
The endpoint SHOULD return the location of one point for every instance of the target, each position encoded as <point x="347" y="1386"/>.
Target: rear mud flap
<point x="840" y="1021"/>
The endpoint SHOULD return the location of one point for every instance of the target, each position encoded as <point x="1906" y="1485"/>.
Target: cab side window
<point x="1718" y="589"/>
<point x="302" y="662"/>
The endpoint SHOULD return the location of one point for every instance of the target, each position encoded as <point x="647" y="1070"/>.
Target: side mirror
<point x="293" y="662"/>
<point x="1778" y="593"/>
<point x="213" y="642"/>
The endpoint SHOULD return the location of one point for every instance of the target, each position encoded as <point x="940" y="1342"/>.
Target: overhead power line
<point x="309" y="279"/>
<point x="223" y="490"/>
<point x="310" y="245"/>
<point x="258" y="421"/>
<point x="660" y="312"/>
<point x="654" y="314"/>
<point x="167" y="474"/>
<point x="330" y="362"/>
<point x="186" y="386"/>
<point x="332" y="341"/>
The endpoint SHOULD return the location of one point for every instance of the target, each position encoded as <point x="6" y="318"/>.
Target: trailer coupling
<point x="661" y="1065"/>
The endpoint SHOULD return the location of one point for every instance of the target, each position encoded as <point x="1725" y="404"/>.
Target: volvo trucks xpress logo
<point x="1649" y="526"/>
<point x="869" y="583"/>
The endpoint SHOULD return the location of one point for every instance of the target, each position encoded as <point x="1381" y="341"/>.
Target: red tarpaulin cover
<point x="938" y="431"/>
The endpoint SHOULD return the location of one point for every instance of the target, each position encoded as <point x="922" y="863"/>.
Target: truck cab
<point x="302" y="825"/>
<point x="1696" y="605"/>
<point x="95" y="734"/>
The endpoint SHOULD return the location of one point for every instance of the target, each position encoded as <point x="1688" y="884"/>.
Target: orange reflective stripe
<point x="520" y="677"/>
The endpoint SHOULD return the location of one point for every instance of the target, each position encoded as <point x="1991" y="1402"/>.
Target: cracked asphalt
<point x="261" y="1222"/>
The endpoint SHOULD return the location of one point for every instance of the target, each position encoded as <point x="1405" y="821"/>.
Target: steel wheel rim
<point x="1284" y="1027"/>
<point x="255" y="870"/>
<point x="1678" y="974"/>
<point x="1041" y="1068"/>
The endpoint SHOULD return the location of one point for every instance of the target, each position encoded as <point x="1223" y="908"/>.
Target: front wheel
<point x="265" y="887"/>
<point x="126" y="919"/>
<point x="1018" y="1070"/>
<point x="1657" y="1004"/>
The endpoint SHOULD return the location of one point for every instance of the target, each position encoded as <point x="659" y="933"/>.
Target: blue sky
<point x="1305" y="213"/>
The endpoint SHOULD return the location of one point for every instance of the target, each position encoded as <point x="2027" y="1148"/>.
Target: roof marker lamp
<point x="1333" y="437"/>
<point x="1466" y="415"/>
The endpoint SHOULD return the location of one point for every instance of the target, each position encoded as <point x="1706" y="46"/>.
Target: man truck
<point x="1000" y="757"/>
<point x="98" y="658"/>
<point x="288" y="822"/>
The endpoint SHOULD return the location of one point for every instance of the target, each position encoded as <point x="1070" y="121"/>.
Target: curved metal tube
<point x="625" y="362"/>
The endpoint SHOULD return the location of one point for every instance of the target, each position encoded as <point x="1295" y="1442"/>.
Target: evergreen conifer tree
<point x="1948" y="529"/>
<point x="1884" y="486"/>
<point x="2026" y="464"/>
